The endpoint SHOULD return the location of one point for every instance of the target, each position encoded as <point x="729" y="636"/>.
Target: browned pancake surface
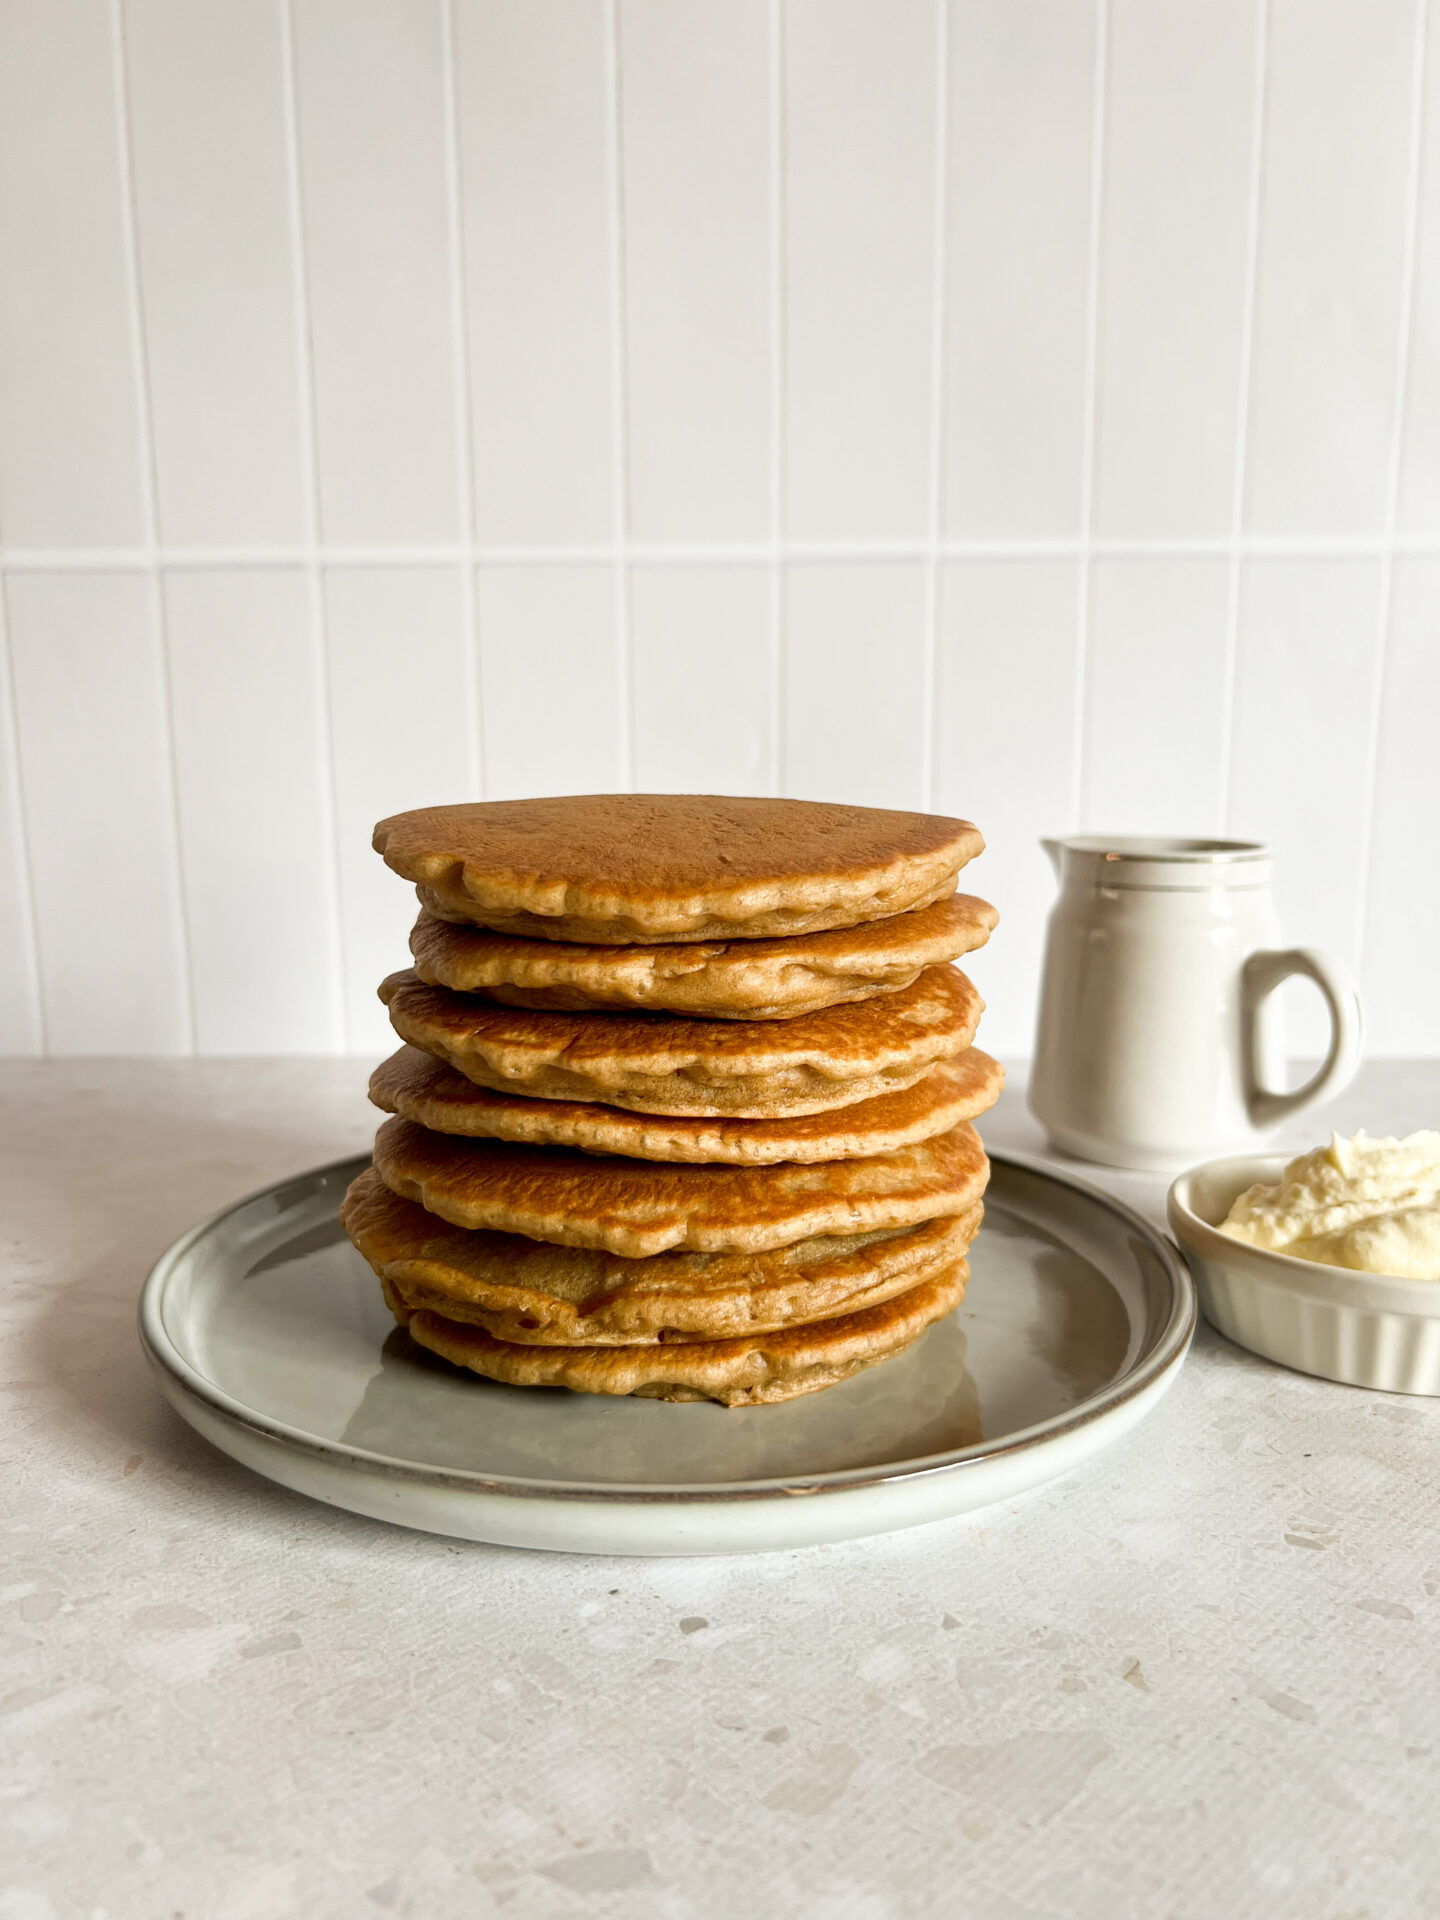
<point x="643" y="1207"/>
<point x="749" y="1371"/>
<point x="422" y="1088"/>
<point x="725" y="980"/>
<point x="619" y="869"/>
<point x="531" y="1293"/>
<point x="660" y="1063"/>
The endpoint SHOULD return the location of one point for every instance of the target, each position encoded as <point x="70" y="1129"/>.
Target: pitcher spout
<point x="1055" y="849"/>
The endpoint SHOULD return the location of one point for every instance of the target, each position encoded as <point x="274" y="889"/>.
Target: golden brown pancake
<point x="745" y="1372"/>
<point x="533" y="1294"/>
<point x="727" y="980"/>
<point x="662" y="1063"/>
<point x="421" y="1088"/>
<point x="621" y="869"/>
<point x="643" y="1207"/>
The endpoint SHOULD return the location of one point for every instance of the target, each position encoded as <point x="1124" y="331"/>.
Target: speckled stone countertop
<point x="1201" y="1677"/>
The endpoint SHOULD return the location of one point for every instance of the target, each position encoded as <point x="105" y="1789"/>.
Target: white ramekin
<point x="1361" y="1328"/>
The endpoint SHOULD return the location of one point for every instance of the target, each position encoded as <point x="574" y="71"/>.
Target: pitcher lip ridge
<point x="1154" y="847"/>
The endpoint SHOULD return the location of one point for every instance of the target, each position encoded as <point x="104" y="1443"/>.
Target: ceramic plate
<point x="269" y="1336"/>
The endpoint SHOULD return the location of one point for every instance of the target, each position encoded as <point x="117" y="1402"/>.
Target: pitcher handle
<point x="1263" y="972"/>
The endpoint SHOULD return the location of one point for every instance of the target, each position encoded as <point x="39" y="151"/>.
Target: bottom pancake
<point x="750" y="1372"/>
<point x="528" y="1292"/>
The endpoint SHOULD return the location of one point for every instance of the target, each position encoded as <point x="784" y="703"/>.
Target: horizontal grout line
<point x="750" y="553"/>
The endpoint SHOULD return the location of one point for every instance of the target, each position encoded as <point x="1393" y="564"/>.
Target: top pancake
<point x="627" y="869"/>
<point x="731" y="980"/>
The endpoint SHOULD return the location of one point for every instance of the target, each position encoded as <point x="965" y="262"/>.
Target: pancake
<point x="622" y="869"/>
<point x="661" y="1063"/>
<point x="745" y="1372"/>
<point x="730" y="980"/>
<point x="640" y="1207"/>
<point x="531" y="1294"/>
<point x="421" y="1088"/>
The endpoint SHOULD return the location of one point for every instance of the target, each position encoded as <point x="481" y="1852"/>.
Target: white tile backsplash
<point x="994" y="405"/>
<point x="1303" y="731"/>
<point x="1179" y="133"/>
<point x="207" y="132"/>
<point x="95" y="773"/>
<point x="1155" y="707"/>
<point x="1020" y="122"/>
<point x="856" y="698"/>
<point x="1334" y="192"/>
<point x="370" y="89"/>
<point x="396" y="643"/>
<point x="1006" y="706"/>
<point x="555" y="703"/>
<point x="1402" y="921"/>
<point x="704" y="674"/>
<point x="859" y="267"/>
<point x="21" y="1028"/>
<point x="535" y="200"/>
<point x="69" y="421"/>
<point x="252" y="784"/>
<point x="696" y="146"/>
<point x="1419" y="476"/>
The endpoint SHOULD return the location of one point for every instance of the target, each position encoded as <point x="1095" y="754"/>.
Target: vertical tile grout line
<point x="1244" y="383"/>
<point x="462" y="400"/>
<point x="778" y="321"/>
<point x="150" y="504"/>
<point x="310" y="475"/>
<point x="10" y="737"/>
<point x="1403" y="340"/>
<point x="1089" y="437"/>
<point x="619" y="395"/>
<point x="930" y="743"/>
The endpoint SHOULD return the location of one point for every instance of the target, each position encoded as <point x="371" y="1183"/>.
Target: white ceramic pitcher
<point x="1159" y="1042"/>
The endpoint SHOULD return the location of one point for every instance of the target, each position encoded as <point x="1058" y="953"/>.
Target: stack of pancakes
<point x="683" y="1106"/>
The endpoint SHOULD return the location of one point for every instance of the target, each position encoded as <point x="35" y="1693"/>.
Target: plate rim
<point x="1166" y="1354"/>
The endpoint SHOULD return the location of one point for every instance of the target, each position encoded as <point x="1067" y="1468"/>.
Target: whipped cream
<point x="1370" y="1205"/>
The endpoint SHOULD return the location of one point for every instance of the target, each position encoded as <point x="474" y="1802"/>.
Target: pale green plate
<point x="269" y="1336"/>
